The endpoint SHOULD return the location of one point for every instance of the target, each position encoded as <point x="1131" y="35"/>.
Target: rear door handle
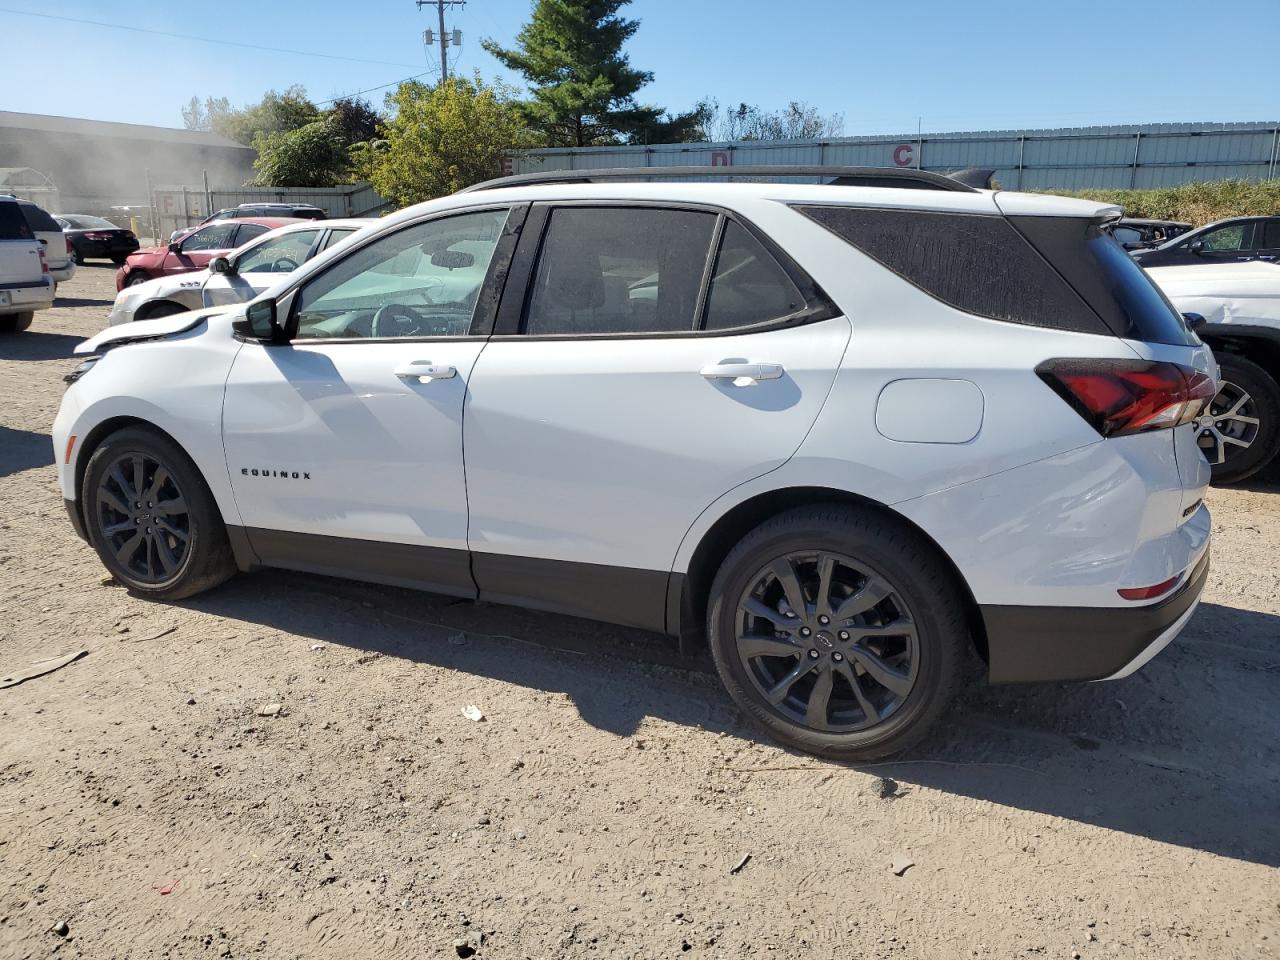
<point x="424" y="371"/>
<point x="741" y="373"/>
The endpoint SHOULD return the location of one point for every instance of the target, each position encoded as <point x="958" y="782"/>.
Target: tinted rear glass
<point x="978" y="264"/>
<point x="1100" y="270"/>
<point x="89" y="223"/>
<point x="13" y="225"/>
<point x="38" y="219"/>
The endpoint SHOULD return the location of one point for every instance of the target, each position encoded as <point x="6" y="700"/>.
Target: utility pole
<point x="444" y="35"/>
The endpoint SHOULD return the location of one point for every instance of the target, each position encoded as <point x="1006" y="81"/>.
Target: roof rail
<point x="840" y="176"/>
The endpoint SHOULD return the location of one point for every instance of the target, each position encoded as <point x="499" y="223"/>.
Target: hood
<point x="147" y="330"/>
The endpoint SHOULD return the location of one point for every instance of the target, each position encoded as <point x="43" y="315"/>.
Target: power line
<point x="186" y="36"/>
<point x="393" y="83"/>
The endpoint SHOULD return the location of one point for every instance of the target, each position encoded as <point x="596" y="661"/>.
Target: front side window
<point x="1230" y="239"/>
<point x="216" y="236"/>
<point x="747" y="285"/>
<point x="1271" y="235"/>
<point x="620" y="270"/>
<point x="421" y="281"/>
<point x="278" y="255"/>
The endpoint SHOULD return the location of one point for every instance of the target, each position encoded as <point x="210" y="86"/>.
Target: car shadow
<point x="82" y="302"/>
<point x="1178" y="753"/>
<point x="23" y="450"/>
<point x="35" y="345"/>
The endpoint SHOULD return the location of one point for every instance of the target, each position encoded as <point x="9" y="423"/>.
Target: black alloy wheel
<point x="143" y="518"/>
<point x="839" y="629"/>
<point x="827" y="642"/>
<point x="151" y="516"/>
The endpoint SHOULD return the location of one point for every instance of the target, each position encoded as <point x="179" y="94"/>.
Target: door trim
<point x="435" y="569"/>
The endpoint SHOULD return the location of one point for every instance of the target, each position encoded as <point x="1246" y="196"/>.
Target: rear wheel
<point x="151" y="517"/>
<point x="839" y="630"/>
<point x="1240" y="432"/>
<point x="77" y="257"/>
<point x="16" y="322"/>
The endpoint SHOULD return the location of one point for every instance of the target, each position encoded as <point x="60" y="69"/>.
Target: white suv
<point x="843" y="433"/>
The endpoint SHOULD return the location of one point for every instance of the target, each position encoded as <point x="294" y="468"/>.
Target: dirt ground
<point x="607" y="801"/>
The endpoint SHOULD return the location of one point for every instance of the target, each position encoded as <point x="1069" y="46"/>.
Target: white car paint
<point x="1241" y="293"/>
<point x="621" y="453"/>
<point x="204" y="288"/>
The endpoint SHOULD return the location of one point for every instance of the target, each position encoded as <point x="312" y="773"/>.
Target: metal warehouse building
<point x="94" y="165"/>
<point x="1077" y="158"/>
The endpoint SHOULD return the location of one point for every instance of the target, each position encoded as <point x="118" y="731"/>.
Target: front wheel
<point x="151" y="517"/>
<point x="136" y="278"/>
<point x="839" y="630"/>
<point x="1240" y="432"/>
<point x="16" y="322"/>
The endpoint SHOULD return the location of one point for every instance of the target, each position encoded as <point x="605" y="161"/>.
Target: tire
<point x="77" y="257"/>
<point x="910" y="585"/>
<point x="162" y="308"/>
<point x="119" y="261"/>
<point x="183" y="570"/>
<point x="136" y="278"/>
<point x="1247" y="392"/>
<point x="16" y="322"/>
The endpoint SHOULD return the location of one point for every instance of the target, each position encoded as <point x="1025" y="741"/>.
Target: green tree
<point x="583" y="85"/>
<point x="275" y="113"/>
<point x="203" y="116"/>
<point x="355" y="120"/>
<point x="443" y="138"/>
<point x="312" y="155"/>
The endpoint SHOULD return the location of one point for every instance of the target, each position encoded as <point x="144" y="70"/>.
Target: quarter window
<point x="421" y="281"/>
<point x="748" y="286"/>
<point x="619" y="270"/>
<point x="1271" y="235"/>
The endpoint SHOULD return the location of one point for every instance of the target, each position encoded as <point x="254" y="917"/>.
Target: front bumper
<point x="77" y="521"/>
<point x="1086" y="643"/>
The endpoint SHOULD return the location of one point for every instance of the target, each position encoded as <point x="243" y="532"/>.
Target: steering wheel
<point x="284" y="265"/>
<point x="397" y="320"/>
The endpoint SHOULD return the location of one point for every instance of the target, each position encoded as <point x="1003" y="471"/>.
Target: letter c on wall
<point x="902" y="154"/>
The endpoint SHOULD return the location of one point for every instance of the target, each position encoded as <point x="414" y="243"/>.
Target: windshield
<point x="79" y="222"/>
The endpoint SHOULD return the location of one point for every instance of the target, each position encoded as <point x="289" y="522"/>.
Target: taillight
<point x="70" y="248"/>
<point x="97" y="236"/>
<point x="1119" y="397"/>
<point x="1151" y="592"/>
<point x="44" y="262"/>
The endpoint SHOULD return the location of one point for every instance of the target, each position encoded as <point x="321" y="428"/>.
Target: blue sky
<point x="884" y="66"/>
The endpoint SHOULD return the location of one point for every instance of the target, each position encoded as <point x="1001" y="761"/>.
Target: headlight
<point x="81" y="370"/>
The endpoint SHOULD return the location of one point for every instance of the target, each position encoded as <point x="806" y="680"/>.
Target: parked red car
<point x="194" y="249"/>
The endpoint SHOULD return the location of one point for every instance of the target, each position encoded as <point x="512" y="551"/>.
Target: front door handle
<point x="424" y="371"/>
<point x="741" y="373"/>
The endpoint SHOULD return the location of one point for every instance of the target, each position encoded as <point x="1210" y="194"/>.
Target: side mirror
<point x="1196" y="247"/>
<point x="221" y="265"/>
<point x="1194" y="321"/>
<point x="260" y="322"/>
<point x="175" y="247"/>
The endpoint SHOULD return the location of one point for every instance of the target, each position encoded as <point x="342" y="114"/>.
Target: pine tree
<point x="583" y="85"/>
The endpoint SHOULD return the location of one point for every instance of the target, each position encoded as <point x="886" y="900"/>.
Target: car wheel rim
<point x="143" y="518"/>
<point x="828" y="643"/>
<point x="1230" y="424"/>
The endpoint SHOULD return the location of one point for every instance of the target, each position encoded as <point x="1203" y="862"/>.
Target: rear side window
<point x="38" y="220"/>
<point x="1114" y="286"/>
<point x="619" y="270"/>
<point x="335" y="236"/>
<point x="747" y="285"/>
<point x="978" y="264"/>
<point x="13" y="225"/>
<point x="1271" y="235"/>
<point x="248" y="231"/>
